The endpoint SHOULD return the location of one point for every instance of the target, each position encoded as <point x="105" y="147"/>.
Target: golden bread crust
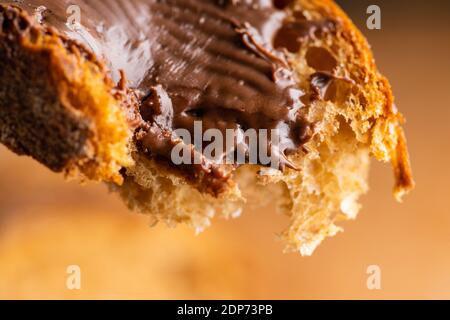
<point x="84" y="93"/>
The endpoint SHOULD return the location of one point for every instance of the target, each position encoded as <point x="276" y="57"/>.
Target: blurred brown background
<point x="47" y="224"/>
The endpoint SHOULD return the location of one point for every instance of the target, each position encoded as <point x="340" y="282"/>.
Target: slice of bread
<point x="352" y="110"/>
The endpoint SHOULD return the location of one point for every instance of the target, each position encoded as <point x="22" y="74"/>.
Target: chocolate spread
<point x="222" y="62"/>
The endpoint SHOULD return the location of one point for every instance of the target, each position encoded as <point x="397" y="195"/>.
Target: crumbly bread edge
<point x="84" y="91"/>
<point x="334" y="170"/>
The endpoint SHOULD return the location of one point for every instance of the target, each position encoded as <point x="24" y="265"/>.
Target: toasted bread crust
<point x="97" y="144"/>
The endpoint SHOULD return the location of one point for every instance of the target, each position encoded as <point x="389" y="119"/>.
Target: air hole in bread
<point x="281" y="4"/>
<point x="22" y="24"/>
<point x="321" y="59"/>
<point x="6" y="26"/>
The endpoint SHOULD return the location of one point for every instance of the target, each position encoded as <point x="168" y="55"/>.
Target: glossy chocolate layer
<point x="213" y="62"/>
<point x="222" y="62"/>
